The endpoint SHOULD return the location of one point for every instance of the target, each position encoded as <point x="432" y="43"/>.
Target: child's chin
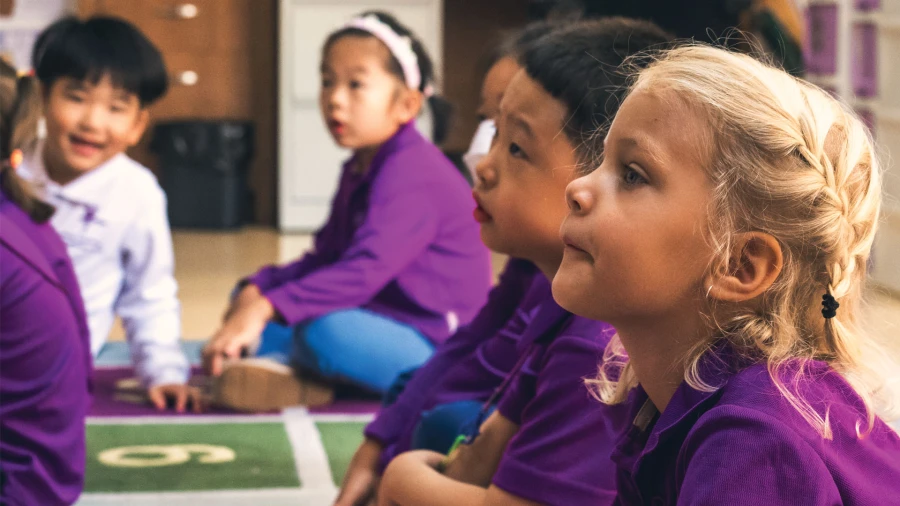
<point x="567" y="288"/>
<point x="83" y="165"/>
<point x="489" y="237"/>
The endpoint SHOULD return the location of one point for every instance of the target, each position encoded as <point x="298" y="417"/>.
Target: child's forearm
<point x="412" y="482"/>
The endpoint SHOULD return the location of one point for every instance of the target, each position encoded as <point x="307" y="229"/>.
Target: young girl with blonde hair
<point x="726" y="236"/>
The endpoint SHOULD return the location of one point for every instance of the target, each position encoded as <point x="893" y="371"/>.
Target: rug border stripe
<point x="310" y="457"/>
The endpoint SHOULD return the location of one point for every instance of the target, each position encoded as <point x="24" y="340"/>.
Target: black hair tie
<point x="829" y="306"/>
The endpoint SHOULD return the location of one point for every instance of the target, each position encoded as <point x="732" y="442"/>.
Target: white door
<point x="309" y="161"/>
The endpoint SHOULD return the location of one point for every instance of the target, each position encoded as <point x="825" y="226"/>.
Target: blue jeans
<point x="437" y="428"/>
<point x="440" y="426"/>
<point x="353" y="345"/>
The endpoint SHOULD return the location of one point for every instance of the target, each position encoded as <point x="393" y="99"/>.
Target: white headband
<point x="399" y="46"/>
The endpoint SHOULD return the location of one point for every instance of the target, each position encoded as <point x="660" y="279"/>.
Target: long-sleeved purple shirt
<point x="744" y="444"/>
<point x="45" y="365"/>
<point x="400" y="241"/>
<point x="560" y="453"/>
<point x="469" y="366"/>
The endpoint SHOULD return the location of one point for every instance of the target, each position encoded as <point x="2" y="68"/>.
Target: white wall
<point x="19" y="31"/>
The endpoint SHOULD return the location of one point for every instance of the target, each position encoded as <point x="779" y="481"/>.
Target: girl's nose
<point x="579" y="196"/>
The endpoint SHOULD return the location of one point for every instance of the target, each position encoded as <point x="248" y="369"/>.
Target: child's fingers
<point x="197" y="401"/>
<point x="181" y="398"/>
<point x="357" y="490"/>
<point x="216" y="364"/>
<point x="210" y="352"/>
<point x="214" y="355"/>
<point x="157" y="397"/>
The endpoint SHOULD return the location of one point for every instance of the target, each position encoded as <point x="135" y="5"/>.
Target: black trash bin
<point x="204" y="167"/>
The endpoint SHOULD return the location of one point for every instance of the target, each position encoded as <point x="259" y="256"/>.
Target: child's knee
<point x="326" y="332"/>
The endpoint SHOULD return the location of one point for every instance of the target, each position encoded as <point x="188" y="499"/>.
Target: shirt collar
<point x="687" y="404"/>
<point x="406" y="135"/>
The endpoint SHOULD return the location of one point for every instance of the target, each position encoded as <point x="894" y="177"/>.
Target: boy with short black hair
<point x="98" y="77"/>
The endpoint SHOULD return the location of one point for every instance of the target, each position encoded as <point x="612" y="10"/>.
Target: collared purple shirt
<point x="45" y="365"/>
<point x="560" y="454"/>
<point x="744" y="444"/>
<point x="400" y="241"/>
<point x="469" y="365"/>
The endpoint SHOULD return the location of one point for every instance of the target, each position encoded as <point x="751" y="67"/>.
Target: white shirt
<point x="113" y="221"/>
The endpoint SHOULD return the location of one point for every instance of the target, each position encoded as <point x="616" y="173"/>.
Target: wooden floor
<point x="208" y="264"/>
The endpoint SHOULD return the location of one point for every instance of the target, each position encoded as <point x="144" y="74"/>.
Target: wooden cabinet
<point x="220" y="55"/>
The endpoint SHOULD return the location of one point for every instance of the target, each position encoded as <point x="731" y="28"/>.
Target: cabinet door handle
<point x="188" y="78"/>
<point x="186" y="11"/>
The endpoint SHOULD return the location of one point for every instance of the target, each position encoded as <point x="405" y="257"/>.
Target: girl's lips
<point x="572" y="245"/>
<point x="336" y="127"/>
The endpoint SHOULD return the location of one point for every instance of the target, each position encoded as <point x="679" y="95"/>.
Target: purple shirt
<point x="45" y="364"/>
<point x="744" y="444"/>
<point x="560" y="454"/>
<point x="400" y="241"/>
<point x="469" y="365"/>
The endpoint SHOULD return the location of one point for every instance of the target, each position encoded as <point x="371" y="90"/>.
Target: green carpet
<point x="340" y="440"/>
<point x="182" y="457"/>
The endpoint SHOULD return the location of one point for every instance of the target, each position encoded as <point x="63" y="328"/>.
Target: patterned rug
<point x="139" y="456"/>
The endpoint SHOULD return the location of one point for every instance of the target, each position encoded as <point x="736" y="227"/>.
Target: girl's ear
<point x="408" y="104"/>
<point x="756" y="261"/>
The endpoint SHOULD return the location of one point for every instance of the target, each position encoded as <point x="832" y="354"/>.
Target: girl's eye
<point x="74" y="97"/>
<point x="355" y="85"/>
<point x="632" y="177"/>
<point x="326" y="83"/>
<point x="516" y="151"/>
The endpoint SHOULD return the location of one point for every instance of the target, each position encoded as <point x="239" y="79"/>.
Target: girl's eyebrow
<point x="644" y="145"/>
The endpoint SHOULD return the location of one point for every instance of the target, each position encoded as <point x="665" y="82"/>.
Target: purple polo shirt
<point x="45" y="365"/>
<point x="560" y="454"/>
<point x="400" y="241"/>
<point x="743" y="444"/>
<point x="469" y="365"/>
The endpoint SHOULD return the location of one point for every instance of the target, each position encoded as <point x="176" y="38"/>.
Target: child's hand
<point x="405" y="474"/>
<point x="476" y="463"/>
<point x="361" y="481"/>
<point x="241" y="330"/>
<point x="181" y="395"/>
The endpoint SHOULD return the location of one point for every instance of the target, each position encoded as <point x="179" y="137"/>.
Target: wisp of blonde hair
<point x="789" y="160"/>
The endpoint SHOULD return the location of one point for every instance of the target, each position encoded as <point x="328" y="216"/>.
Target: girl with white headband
<point x="399" y="264"/>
